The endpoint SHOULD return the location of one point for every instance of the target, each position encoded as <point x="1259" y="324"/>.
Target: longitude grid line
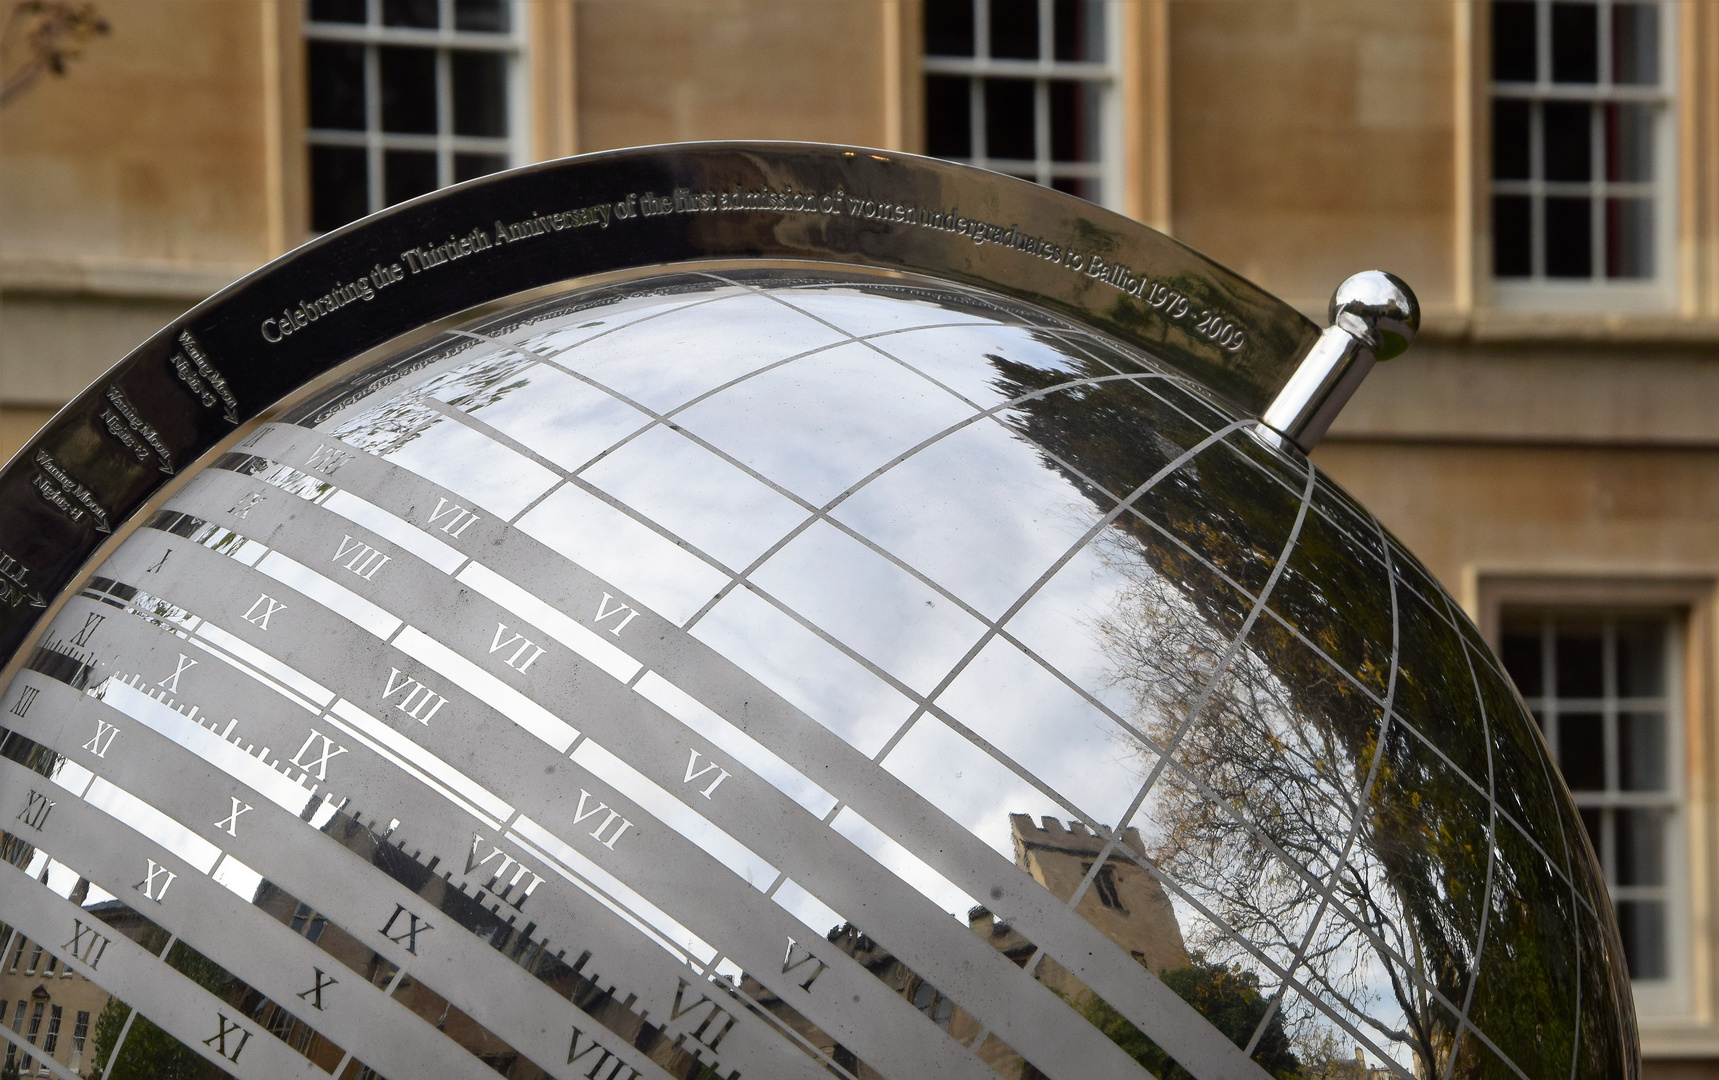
<point x="1486" y="896"/>
<point x="1198" y="706"/>
<point x="1342" y="862"/>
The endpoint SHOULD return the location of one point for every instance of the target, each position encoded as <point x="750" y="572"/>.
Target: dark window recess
<point x="472" y="166"/>
<point x="419" y="14"/>
<point x="1083" y="187"/>
<point x="1510" y="134"/>
<point x="408" y="90"/>
<point x="1009" y="118"/>
<point x="406" y="174"/>
<point x="948" y="27"/>
<point x="479" y="92"/>
<point x="1581" y="751"/>
<point x="1015" y="29"/>
<point x="1575" y="43"/>
<point x="336" y="85"/>
<point x="1512" y="236"/>
<point x="339" y="186"/>
<point x="1074" y="117"/>
<point x="1513" y="41"/>
<point x="1569" y="142"/>
<point x="489" y="16"/>
<point x="1079" y="30"/>
<point x="1520" y="651"/>
<point x="948" y="116"/>
<point x="1641" y="924"/>
<point x="337" y="11"/>
<point x="1635" y="44"/>
<point x="1629" y="238"/>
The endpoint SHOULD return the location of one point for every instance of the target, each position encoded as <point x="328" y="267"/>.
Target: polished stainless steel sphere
<point x="780" y="673"/>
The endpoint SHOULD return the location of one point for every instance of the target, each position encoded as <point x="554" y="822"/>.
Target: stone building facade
<point x="1545" y="175"/>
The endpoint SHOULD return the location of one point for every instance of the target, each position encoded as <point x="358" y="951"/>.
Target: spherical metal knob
<point x="1379" y="309"/>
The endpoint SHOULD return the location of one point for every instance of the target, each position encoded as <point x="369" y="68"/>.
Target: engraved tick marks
<point x="604" y="611"/>
<point x="171" y="683"/>
<point x="103" y="738"/>
<point x="314" y="995"/>
<point x="228" y="1029"/>
<point x="713" y="1018"/>
<point x="693" y="772"/>
<point x="451" y="517"/>
<point x="327" y="460"/>
<point x="91" y="621"/>
<point x="577" y="1056"/>
<point x="499" y="873"/>
<point x="310" y="758"/>
<point x="359" y="557"/>
<point x="260" y="611"/>
<point x="580" y="814"/>
<point x="26" y="698"/>
<point x="155" y="881"/>
<point x="409" y="933"/>
<point x="86" y="944"/>
<point x="247" y="502"/>
<point x="524" y="655"/>
<point x="36" y="809"/>
<point x="417" y="700"/>
<point x="230" y="823"/>
<point x="791" y="965"/>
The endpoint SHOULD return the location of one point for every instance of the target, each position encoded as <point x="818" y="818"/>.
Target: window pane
<point x="1569" y="238"/>
<point x="1591" y="825"/>
<point x="480" y="92"/>
<point x="490" y="15"/>
<point x="949" y="27"/>
<point x="408" y="90"/>
<point x="1641" y="657"/>
<point x="1582" y="751"/>
<point x="1074" y="117"/>
<point x="1569" y="143"/>
<point x="1629" y="142"/>
<point x="339" y="186"/>
<point x="407" y="174"/>
<point x="1641" y="751"/>
<point x="472" y="166"/>
<point x="1083" y="187"/>
<point x="1581" y="671"/>
<point x="1520" y="651"/>
<point x="1510" y="139"/>
<point x="1513" y="41"/>
<point x="948" y="117"/>
<point x="346" y="11"/>
<point x="1575" y="43"/>
<point x="416" y="13"/>
<point x="1015" y="29"/>
<point x="1635" y="44"/>
<point x="1009" y="118"/>
<point x="1629" y="238"/>
<point x="1641" y="923"/>
<point x="336" y="78"/>
<point x="1640" y="847"/>
<point x="1080" y="30"/>
<point x="1512" y="230"/>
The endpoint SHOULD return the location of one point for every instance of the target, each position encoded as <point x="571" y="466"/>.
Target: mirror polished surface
<point x="779" y="673"/>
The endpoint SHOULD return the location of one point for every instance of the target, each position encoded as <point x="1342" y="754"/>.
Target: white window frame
<point x="1538" y="292"/>
<point x="1662" y="995"/>
<point x="1107" y="75"/>
<point x="371" y="33"/>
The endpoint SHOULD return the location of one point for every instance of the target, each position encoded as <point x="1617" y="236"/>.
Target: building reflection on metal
<point x="781" y="671"/>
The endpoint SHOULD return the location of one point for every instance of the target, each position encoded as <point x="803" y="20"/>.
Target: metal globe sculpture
<point x="830" y="613"/>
